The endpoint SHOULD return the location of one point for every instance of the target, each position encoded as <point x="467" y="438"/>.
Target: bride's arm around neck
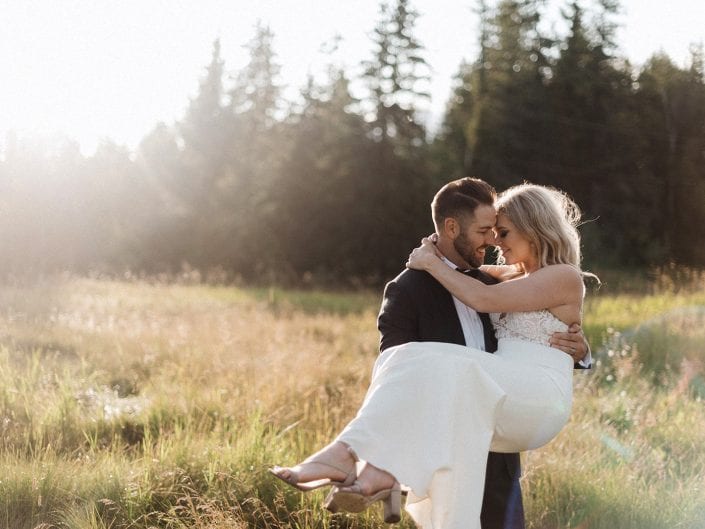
<point x="503" y="272"/>
<point x="549" y="287"/>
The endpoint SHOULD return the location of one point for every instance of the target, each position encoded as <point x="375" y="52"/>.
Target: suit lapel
<point x="438" y="317"/>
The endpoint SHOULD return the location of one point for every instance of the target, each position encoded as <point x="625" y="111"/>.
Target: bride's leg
<point x="332" y="464"/>
<point x="427" y="420"/>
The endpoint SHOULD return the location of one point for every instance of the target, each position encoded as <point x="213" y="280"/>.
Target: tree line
<point x="336" y="186"/>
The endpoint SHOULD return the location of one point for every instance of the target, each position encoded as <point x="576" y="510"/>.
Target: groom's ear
<point x="451" y="227"/>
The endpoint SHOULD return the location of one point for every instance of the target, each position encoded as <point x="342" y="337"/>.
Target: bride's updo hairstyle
<point x="548" y="218"/>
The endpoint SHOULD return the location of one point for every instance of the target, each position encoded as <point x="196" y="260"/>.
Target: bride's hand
<point x="424" y="256"/>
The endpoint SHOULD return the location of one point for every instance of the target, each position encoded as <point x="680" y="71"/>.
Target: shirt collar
<point x="450" y="263"/>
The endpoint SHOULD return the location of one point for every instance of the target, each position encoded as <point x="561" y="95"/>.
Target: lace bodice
<point x="535" y="326"/>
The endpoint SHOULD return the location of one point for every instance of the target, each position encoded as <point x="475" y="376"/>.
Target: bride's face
<point x="516" y="248"/>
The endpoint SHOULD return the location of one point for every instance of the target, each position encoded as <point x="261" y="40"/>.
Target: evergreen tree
<point x="257" y="92"/>
<point x="673" y="120"/>
<point x="206" y="132"/>
<point x="450" y="148"/>
<point x="506" y="133"/>
<point x="320" y="209"/>
<point x="117" y="211"/>
<point x="202" y="128"/>
<point x="595" y="139"/>
<point x="169" y="235"/>
<point x="255" y="161"/>
<point x="396" y="76"/>
<point x="395" y="191"/>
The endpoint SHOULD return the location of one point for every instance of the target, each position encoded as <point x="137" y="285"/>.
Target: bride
<point x="434" y="410"/>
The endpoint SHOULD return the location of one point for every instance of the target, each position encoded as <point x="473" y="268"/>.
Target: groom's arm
<point x="398" y="318"/>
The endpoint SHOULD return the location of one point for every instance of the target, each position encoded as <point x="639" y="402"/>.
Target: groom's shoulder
<point x="410" y="288"/>
<point x="411" y="277"/>
<point x="408" y="277"/>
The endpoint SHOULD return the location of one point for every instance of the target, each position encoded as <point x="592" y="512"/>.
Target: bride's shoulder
<point x="565" y="273"/>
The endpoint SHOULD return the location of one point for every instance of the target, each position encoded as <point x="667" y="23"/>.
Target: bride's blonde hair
<point x="548" y="218"/>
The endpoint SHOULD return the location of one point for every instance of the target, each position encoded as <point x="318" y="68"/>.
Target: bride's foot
<point x="371" y="486"/>
<point x="371" y="480"/>
<point x="333" y="465"/>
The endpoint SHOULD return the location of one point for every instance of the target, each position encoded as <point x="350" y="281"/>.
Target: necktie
<point x="472" y="272"/>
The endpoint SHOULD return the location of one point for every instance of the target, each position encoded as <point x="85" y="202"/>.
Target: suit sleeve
<point x="398" y="319"/>
<point x="585" y="363"/>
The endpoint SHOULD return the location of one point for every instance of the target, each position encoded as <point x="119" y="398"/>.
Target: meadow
<point x="137" y="404"/>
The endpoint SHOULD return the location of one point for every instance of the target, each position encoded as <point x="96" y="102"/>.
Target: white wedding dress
<point x="433" y="411"/>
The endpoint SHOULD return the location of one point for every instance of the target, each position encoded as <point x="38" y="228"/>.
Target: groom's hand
<point x="572" y="342"/>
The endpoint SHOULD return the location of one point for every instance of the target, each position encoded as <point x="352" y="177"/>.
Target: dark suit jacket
<point x="417" y="308"/>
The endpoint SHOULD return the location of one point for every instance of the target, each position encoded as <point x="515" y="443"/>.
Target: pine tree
<point x="396" y="76"/>
<point x="505" y="133"/>
<point x="325" y="164"/>
<point x="596" y="139"/>
<point x="450" y="148"/>
<point x="206" y="133"/>
<point x="203" y="121"/>
<point x="255" y="158"/>
<point x="395" y="188"/>
<point x="673" y="120"/>
<point x="257" y="92"/>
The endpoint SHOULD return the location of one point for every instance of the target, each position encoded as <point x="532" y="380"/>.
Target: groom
<point x="416" y="308"/>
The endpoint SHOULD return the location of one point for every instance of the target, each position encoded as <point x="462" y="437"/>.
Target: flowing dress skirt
<point x="434" y="410"/>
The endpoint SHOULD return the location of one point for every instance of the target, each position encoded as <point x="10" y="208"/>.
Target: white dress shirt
<point x="469" y="320"/>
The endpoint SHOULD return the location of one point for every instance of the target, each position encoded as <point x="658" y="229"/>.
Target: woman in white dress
<point x="434" y="410"/>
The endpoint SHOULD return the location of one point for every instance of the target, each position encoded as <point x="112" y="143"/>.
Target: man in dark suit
<point x="416" y="308"/>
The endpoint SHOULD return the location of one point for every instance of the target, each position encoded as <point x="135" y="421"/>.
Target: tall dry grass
<point x="138" y="405"/>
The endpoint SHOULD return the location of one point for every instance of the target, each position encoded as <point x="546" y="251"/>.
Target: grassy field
<point x="135" y="405"/>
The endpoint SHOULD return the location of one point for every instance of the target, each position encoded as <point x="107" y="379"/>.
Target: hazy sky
<point x="114" y="68"/>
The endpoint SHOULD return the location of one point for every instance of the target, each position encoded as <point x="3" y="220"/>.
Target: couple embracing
<point x="442" y="419"/>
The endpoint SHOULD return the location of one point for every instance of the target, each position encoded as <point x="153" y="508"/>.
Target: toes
<point x="281" y="472"/>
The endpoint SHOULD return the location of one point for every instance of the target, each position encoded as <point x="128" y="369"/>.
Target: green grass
<point x="136" y="405"/>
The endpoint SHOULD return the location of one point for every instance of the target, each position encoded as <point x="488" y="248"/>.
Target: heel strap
<point x="353" y="453"/>
<point x="335" y="467"/>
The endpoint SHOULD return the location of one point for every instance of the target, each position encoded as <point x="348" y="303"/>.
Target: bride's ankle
<point x="345" y="454"/>
<point x="345" y="450"/>
<point x="372" y="479"/>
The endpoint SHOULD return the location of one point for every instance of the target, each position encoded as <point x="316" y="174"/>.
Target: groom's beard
<point x="469" y="253"/>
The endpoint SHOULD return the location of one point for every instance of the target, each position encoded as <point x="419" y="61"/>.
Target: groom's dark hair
<point x="460" y="198"/>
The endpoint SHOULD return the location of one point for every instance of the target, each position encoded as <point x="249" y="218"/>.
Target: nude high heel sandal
<point x="292" y="478"/>
<point x="351" y="500"/>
